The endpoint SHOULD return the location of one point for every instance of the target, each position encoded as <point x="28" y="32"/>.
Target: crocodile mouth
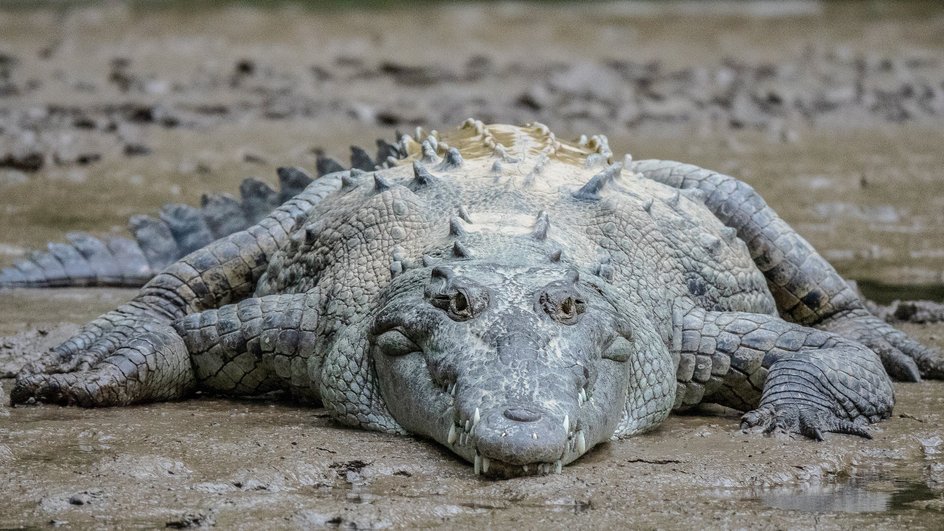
<point x="492" y="442"/>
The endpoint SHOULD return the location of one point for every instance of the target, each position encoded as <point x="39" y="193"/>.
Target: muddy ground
<point x="832" y="111"/>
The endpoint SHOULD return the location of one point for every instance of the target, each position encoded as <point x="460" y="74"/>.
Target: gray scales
<point x="514" y="297"/>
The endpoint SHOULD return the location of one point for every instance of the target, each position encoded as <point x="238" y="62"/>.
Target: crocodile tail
<point x="178" y="230"/>
<point x="156" y="242"/>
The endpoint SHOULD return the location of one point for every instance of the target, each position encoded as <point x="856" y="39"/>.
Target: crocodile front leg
<point x="79" y="371"/>
<point x="258" y="345"/>
<point x="786" y="376"/>
<point x="808" y="290"/>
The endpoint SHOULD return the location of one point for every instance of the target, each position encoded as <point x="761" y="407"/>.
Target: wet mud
<point x="832" y="111"/>
<point x="247" y="464"/>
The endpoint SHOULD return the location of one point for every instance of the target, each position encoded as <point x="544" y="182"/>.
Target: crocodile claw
<point x="113" y="369"/>
<point x="807" y="421"/>
<point x="904" y="358"/>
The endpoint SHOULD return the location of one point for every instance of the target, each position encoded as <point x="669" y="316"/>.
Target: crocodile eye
<point x="462" y="304"/>
<point x="461" y="299"/>
<point x="563" y="306"/>
<point x="459" y="305"/>
<point x="570" y="308"/>
<point x="395" y="343"/>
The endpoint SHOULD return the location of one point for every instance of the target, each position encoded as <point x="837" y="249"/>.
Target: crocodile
<point x="179" y="229"/>
<point x="510" y="295"/>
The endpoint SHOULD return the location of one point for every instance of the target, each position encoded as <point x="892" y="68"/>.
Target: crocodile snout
<point x="520" y="435"/>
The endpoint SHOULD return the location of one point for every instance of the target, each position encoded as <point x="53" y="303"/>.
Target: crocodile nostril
<point x="520" y="414"/>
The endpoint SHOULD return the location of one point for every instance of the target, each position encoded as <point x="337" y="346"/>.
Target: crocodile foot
<point x="904" y="358"/>
<point x="115" y="360"/>
<point x="803" y="420"/>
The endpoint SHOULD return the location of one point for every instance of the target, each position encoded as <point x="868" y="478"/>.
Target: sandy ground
<point x="833" y="112"/>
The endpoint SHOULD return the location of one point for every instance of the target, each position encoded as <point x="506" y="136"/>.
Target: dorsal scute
<point x="528" y="144"/>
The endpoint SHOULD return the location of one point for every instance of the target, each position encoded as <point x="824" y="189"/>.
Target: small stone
<point x="136" y="150"/>
<point x="81" y="498"/>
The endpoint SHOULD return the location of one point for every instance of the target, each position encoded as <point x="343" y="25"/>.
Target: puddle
<point x="883" y="293"/>
<point x="883" y="481"/>
<point x="869" y="493"/>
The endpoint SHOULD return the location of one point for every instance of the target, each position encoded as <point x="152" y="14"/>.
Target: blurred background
<point x="833" y="110"/>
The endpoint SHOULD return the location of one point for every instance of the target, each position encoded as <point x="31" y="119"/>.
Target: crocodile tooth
<point x="451" y="438"/>
<point x="581" y="442"/>
<point x="462" y="439"/>
<point x="558" y="466"/>
<point x="524" y="468"/>
<point x="476" y="417"/>
<point x="468" y="425"/>
<point x="485" y="464"/>
<point x="567" y="423"/>
<point x="478" y="464"/>
<point x="627" y="161"/>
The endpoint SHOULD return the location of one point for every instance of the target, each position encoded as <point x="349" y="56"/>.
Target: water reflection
<point x="827" y="499"/>
<point x="871" y="493"/>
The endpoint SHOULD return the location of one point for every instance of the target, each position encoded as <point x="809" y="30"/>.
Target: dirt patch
<point x="252" y="463"/>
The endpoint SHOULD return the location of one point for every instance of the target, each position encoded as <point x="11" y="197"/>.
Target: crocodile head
<point x="519" y="370"/>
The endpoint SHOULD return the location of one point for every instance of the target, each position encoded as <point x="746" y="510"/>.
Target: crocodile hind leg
<point x="79" y="371"/>
<point x="786" y="376"/>
<point x="806" y="287"/>
<point x="255" y="346"/>
<point x="150" y="364"/>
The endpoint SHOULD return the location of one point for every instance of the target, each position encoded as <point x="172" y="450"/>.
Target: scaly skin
<point x="516" y="298"/>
